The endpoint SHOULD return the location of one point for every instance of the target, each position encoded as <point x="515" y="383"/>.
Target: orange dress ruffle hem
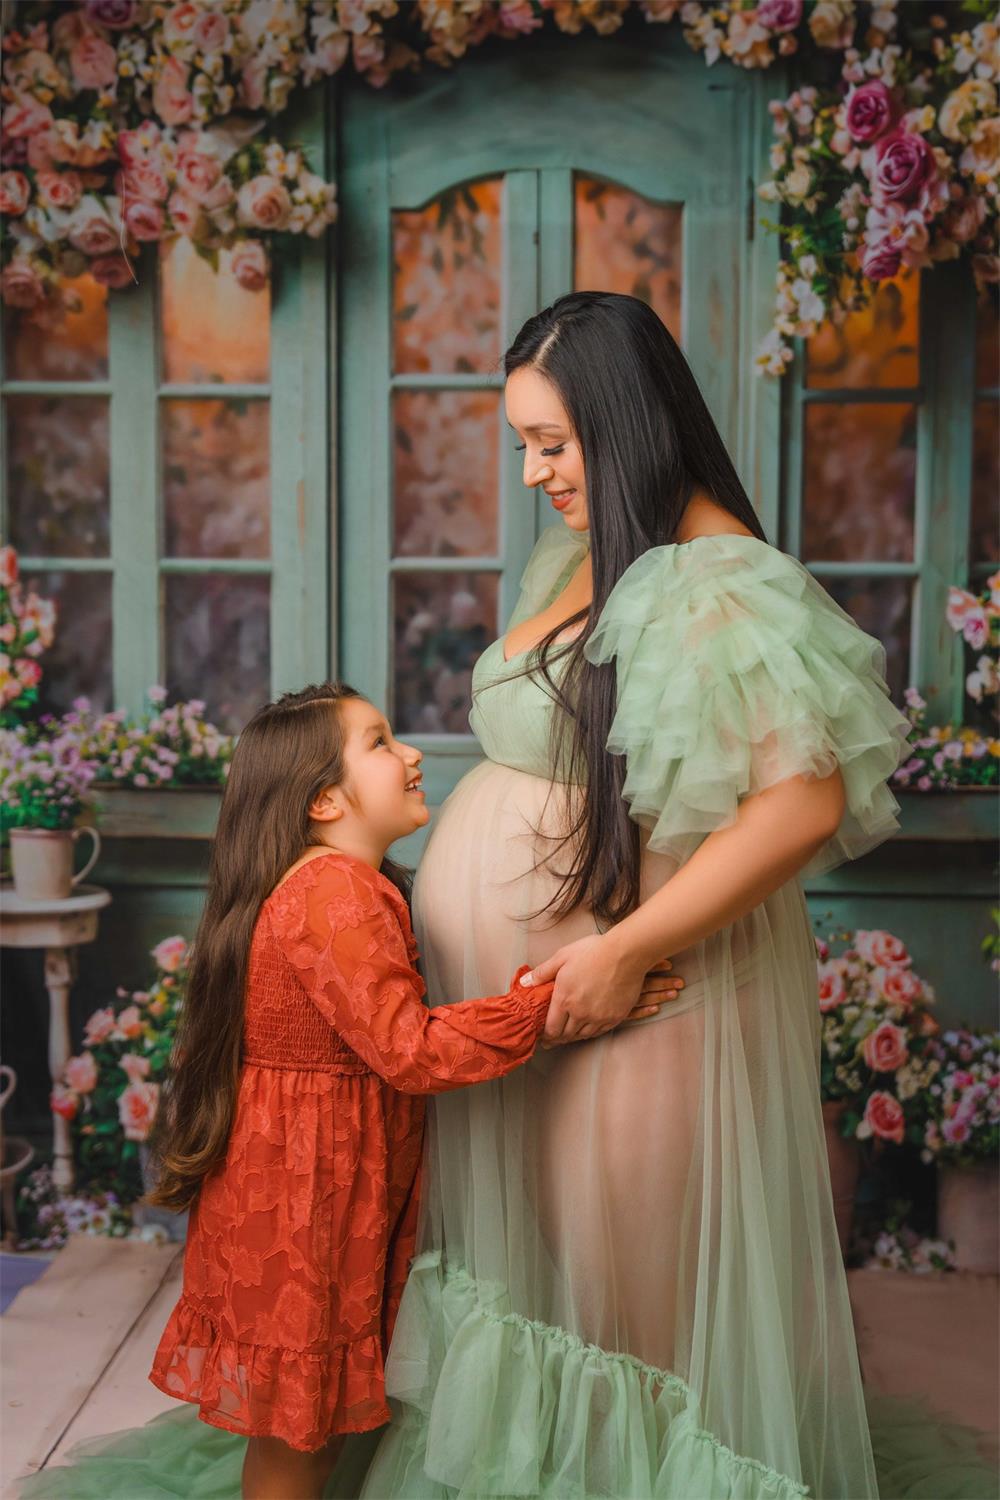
<point x="299" y="1243"/>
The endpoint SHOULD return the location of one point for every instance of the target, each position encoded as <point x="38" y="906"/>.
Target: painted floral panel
<point x="446" y="261"/>
<point x="58" y="477"/>
<point x="626" y="243"/>
<point x="442" y="622"/>
<point x="78" y="663"/>
<point x="216" y="478"/>
<point x="217" y="630"/>
<point x="445" y="463"/>
<point x="875" y="347"/>
<point x="883" y="607"/>
<point x="211" y="328"/>
<point x="70" y="348"/>
<point x="858" y="482"/>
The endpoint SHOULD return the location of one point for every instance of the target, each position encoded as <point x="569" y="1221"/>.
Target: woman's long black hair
<point x="648" y="442"/>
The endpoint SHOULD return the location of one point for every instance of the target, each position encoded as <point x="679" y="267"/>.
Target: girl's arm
<point x="348" y="951"/>
<point x="775" y="834"/>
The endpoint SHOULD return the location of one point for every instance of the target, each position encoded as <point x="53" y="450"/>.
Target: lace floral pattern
<point x="300" y="1242"/>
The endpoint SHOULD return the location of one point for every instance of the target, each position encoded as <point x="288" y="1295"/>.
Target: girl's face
<point x="552" y="456"/>
<point x="380" y="799"/>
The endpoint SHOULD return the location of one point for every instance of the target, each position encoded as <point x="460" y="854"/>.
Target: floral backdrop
<point x="129" y="122"/>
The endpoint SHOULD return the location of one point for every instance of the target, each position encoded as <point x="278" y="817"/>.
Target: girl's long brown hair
<point x="287" y="754"/>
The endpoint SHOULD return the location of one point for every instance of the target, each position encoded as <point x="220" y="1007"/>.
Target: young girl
<point x="293" y="1125"/>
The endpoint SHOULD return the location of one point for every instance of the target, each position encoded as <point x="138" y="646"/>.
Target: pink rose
<point x="137" y="1109"/>
<point x="129" y="1022"/>
<point x="180" y="21"/>
<point x="111" y="271"/>
<point x="99" y="1027"/>
<point x="832" y="989"/>
<point x="8" y="566"/>
<point x="135" y="1066"/>
<point x="870" y="111"/>
<point x="28" y="672"/>
<point x="884" y="1115"/>
<point x="185" y="214"/>
<point x="249" y="265"/>
<point x="197" y="174"/>
<point x="21" y="285"/>
<point x="91" y="229"/>
<point x="145" y="181"/>
<point x="263" y="203"/>
<point x="15" y="191"/>
<point x="779" y="15"/>
<point x="885" y="1048"/>
<point x="904" y="163"/>
<point x="59" y="189"/>
<point x="210" y="31"/>
<point x="94" y="62"/>
<point x="142" y="145"/>
<point x="116" y="15"/>
<point x="62" y="1101"/>
<point x="172" y="99"/>
<point x="26" y="117"/>
<point x="881" y="261"/>
<point x="900" y="986"/>
<point x="144" y="220"/>
<point x="80" y="1073"/>
<point x="252" y="81"/>
<point x="881" y="949"/>
<point x="170" y="954"/>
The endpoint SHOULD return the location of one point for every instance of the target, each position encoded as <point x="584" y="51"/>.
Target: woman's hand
<point x="595" y="991"/>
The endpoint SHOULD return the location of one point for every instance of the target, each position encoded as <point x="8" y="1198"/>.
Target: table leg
<point x="60" y="971"/>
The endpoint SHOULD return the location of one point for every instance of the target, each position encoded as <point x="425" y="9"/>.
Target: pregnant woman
<point x="628" y="1280"/>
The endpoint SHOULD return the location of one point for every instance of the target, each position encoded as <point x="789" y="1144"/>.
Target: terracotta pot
<point x="42" y="861"/>
<point x="969" y="1214"/>
<point x="845" y="1164"/>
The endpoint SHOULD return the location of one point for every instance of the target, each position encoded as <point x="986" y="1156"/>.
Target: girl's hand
<point x="595" y="991"/>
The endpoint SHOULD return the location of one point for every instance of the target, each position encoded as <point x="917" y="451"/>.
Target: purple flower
<point x="904" y="163"/>
<point x="779" y="15"/>
<point x="869" y="111"/>
<point x="881" y="261"/>
<point x="116" y="15"/>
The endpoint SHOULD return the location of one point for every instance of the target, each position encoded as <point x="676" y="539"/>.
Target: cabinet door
<point x="469" y="201"/>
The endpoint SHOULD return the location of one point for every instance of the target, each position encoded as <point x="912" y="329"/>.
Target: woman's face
<point x="552" y="456"/>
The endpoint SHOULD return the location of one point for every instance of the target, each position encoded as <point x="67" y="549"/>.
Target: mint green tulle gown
<point x="628" y="1281"/>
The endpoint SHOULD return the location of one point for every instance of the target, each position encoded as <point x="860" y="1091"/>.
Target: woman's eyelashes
<point x="545" y="452"/>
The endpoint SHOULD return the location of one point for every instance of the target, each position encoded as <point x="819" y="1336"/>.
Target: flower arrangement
<point x="896" y="1246"/>
<point x="27" y="628"/>
<point x="127" y="122"/>
<point x="110" y="1090"/>
<point x="166" y="746"/>
<point x="49" y="1216"/>
<point x="962" y="1124"/>
<point x="44" y="780"/>
<point x="876" y="1032"/>
<point x="947" y="757"/>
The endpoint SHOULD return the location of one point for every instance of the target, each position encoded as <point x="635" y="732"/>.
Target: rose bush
<point x="888" y="158"/>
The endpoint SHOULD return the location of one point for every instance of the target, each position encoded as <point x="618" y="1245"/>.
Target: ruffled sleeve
<point x="556" y="556"/>
<point x="735" y="671"/>
<point x="341" y="933"/>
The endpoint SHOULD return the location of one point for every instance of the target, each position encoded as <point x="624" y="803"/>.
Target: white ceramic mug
<point x="42" y="861"/>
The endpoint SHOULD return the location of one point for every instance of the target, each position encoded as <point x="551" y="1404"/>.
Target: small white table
<point x="59" y="927"/>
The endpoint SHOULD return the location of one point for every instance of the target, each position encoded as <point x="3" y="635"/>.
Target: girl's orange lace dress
<point x="299" y="1243"/>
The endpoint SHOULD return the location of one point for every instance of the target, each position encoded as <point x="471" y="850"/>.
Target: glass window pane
<point x="78" y="663"/>
<point x="218" y="643"/>
<point x="988" y="339"/>
<point x="875" y="347"/>
<point x="442" y="622"/>
<point x="212" y="329"/>
<point x="58" y="479"/>
<point x="882" y="607"/>
<point x="445" y="452"/>
<point x="446" y="281"/>
<point x="984" y="543"/>
<point x="216" y="478"/>
<point x="625" y="243"/>
<point x="71" y="348"/>
<point x="858" y="482"/>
